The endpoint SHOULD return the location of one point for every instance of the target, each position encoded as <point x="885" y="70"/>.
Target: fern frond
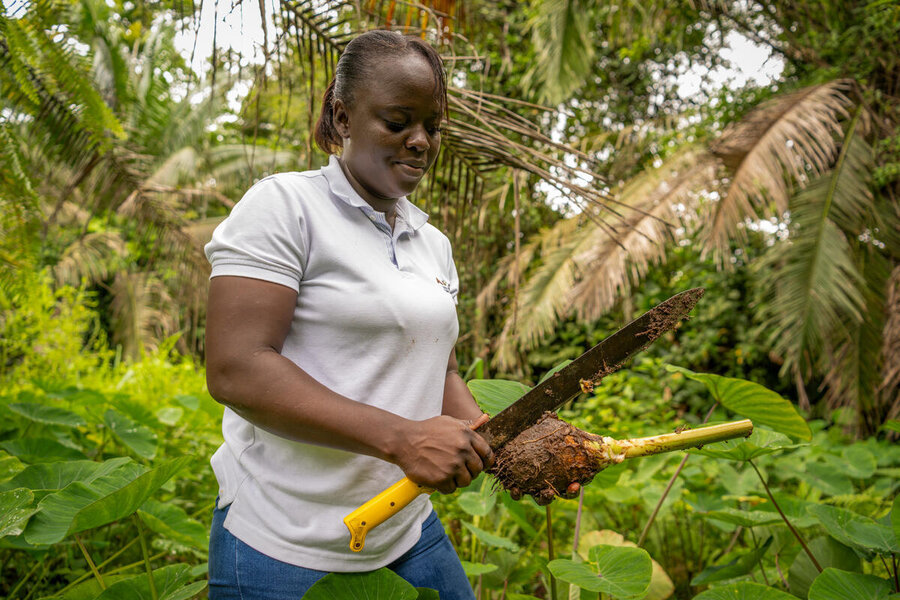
<point x="792" y="138"/>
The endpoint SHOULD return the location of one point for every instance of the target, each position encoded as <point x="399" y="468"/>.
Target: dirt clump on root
<point x="546" y="459"/>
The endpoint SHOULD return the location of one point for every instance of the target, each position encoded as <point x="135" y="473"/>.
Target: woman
<point x="330" y="333"/>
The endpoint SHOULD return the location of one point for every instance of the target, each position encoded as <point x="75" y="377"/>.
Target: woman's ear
<point x="341" y="119"/>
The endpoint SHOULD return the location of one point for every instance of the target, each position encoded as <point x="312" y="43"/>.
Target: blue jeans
<point x="238" y="572"/>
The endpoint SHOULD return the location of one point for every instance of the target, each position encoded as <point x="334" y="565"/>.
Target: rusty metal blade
<point x="587" y="370"/>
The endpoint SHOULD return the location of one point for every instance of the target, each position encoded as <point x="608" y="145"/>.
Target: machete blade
<point x="582" y="374"/>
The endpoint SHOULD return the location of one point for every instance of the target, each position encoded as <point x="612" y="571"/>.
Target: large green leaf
<point x="834" y="584"/>
<point x="828" y="479"/>
<point x="661" y="586"/>
<point x="50" y="477"/>
<point x="744" y="590"/>
<point x="758" y="403"/>
<point x="15" y="510"/>
<point x="171" y="584"/>
<point x="172" y="522"/>
<point x="141" y="439"/>
<point x="895" y="518"/>
<point x="478" y="504"/>
<point x="856" y="531"/>
<point x="79" y="506"/>
<point x="745" y="518"/>
<point x="619" y="571"/>
<point x="857" y="462"/>
<point x="736" y="568"/>
<point x="829" y="553"/>
<point x="48" y="415"/>
<point x="41" y="449"/>
<point x="382" y="584"/>
<point x="493" y="395"/>
<point x="475" y="569"/>
<point x="759" y="443"/>
<point x="491" y="539"/>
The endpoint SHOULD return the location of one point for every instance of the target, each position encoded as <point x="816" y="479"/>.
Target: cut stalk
<point x="618" y="450"/>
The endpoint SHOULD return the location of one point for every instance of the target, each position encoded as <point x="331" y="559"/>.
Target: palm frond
<point x="584" y="269"/>
<point x="889" y="389"/>
<point x="792" y="138"/>
<point x="816" y="296"/>
<point x="141" y="313"/>
<point x="91" y="259"/>
<point x="562" y="32"/>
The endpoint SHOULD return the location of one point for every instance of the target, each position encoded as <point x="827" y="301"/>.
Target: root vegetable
<point x="553" y="458"/>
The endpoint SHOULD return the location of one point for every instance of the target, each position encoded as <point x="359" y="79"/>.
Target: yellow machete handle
<point x="387" y="504"/>
<point x="381" y="508"/>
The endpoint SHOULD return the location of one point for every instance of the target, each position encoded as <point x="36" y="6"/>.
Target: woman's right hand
<point x="443" y="453"/>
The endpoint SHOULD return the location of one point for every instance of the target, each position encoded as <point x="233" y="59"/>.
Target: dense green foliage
<point x="781" y="199"/>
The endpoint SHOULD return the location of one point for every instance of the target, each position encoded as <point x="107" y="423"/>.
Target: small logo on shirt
<point x="444" y="285"/>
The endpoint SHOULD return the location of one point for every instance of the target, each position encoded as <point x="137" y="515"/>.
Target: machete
<point x="581" y="375"/>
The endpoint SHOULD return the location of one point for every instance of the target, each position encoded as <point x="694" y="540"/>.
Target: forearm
<point x="275" y="394"/>
<point x="458" y="400"/>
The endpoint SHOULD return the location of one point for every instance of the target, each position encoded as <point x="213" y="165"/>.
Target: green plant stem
<point x="100" y="566"/>
<point x="90" y="563"/>
<point x="756" y="547"/>
<point x="785" y="519"/>
<point x="665" y="493"/>
<point x="578" y="522"/>
<point x="37" y="584"/>
<point x="550" y="552"/>
<point x="23" y="580"/>
<point x="896" y="579"/>
<point x="140" y="528"/>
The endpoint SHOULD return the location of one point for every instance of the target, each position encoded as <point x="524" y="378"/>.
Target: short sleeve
<point x="263" y="237"/>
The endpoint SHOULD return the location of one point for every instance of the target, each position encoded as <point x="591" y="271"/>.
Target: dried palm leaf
<point x="889" y="390"/>
<point x="142" y="313"/>
<point x="790" y="139"/>
<point x="91" y="259"/>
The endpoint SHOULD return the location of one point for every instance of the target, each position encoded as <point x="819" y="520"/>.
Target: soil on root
<point x="546" y="459"/>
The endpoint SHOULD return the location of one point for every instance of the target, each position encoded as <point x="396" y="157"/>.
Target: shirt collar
<point x="408" y="212"/>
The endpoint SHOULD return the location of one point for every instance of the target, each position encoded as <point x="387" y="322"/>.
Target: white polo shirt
<point x="375" y="321"/>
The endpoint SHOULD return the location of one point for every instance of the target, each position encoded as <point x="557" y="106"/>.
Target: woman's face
<point x="391" y="132"/>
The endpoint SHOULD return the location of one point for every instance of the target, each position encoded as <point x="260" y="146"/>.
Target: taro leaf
<point x="834" y="584"/>
<point x="79" y="506"/>
<point x="758" y="403"/>
<point x="90" y="589"/>
<point x="15" y="510"/>
<point x="895" y="518"/>
<point x="517" y="513"/>
<point x="555" y="370"/>
<point x="793" y="508"/>
<point x="41" y="450"/>
<point x="744" y="590"/>
<point x="50" y="477"/>
<point x="760" y="443"/>
<point x="48" y="415"/>
<point x="745" y="518"/>
<point x="382" y="584"/>
<point x="428" y="594"/>
<point x="492" y="540"/>
<point x="661" y="586"/>
<point x="858" y="462"/>
<point x="169" y="582"/>
<point x="10" y="466"/>
<point x="170" y="415"/>
<point x="736" y="568"/>
<point x="828" y="479"/>
<point x="477" y="504"/>
<point x="172" y="522"/>
<point x="493" y="395"/>
<point x="475" y="569"/>
<point x="829" y="553"/>
<point x="856" y="531"/>
<point x="138" y="438"/>
<point x="618" y="571"/>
